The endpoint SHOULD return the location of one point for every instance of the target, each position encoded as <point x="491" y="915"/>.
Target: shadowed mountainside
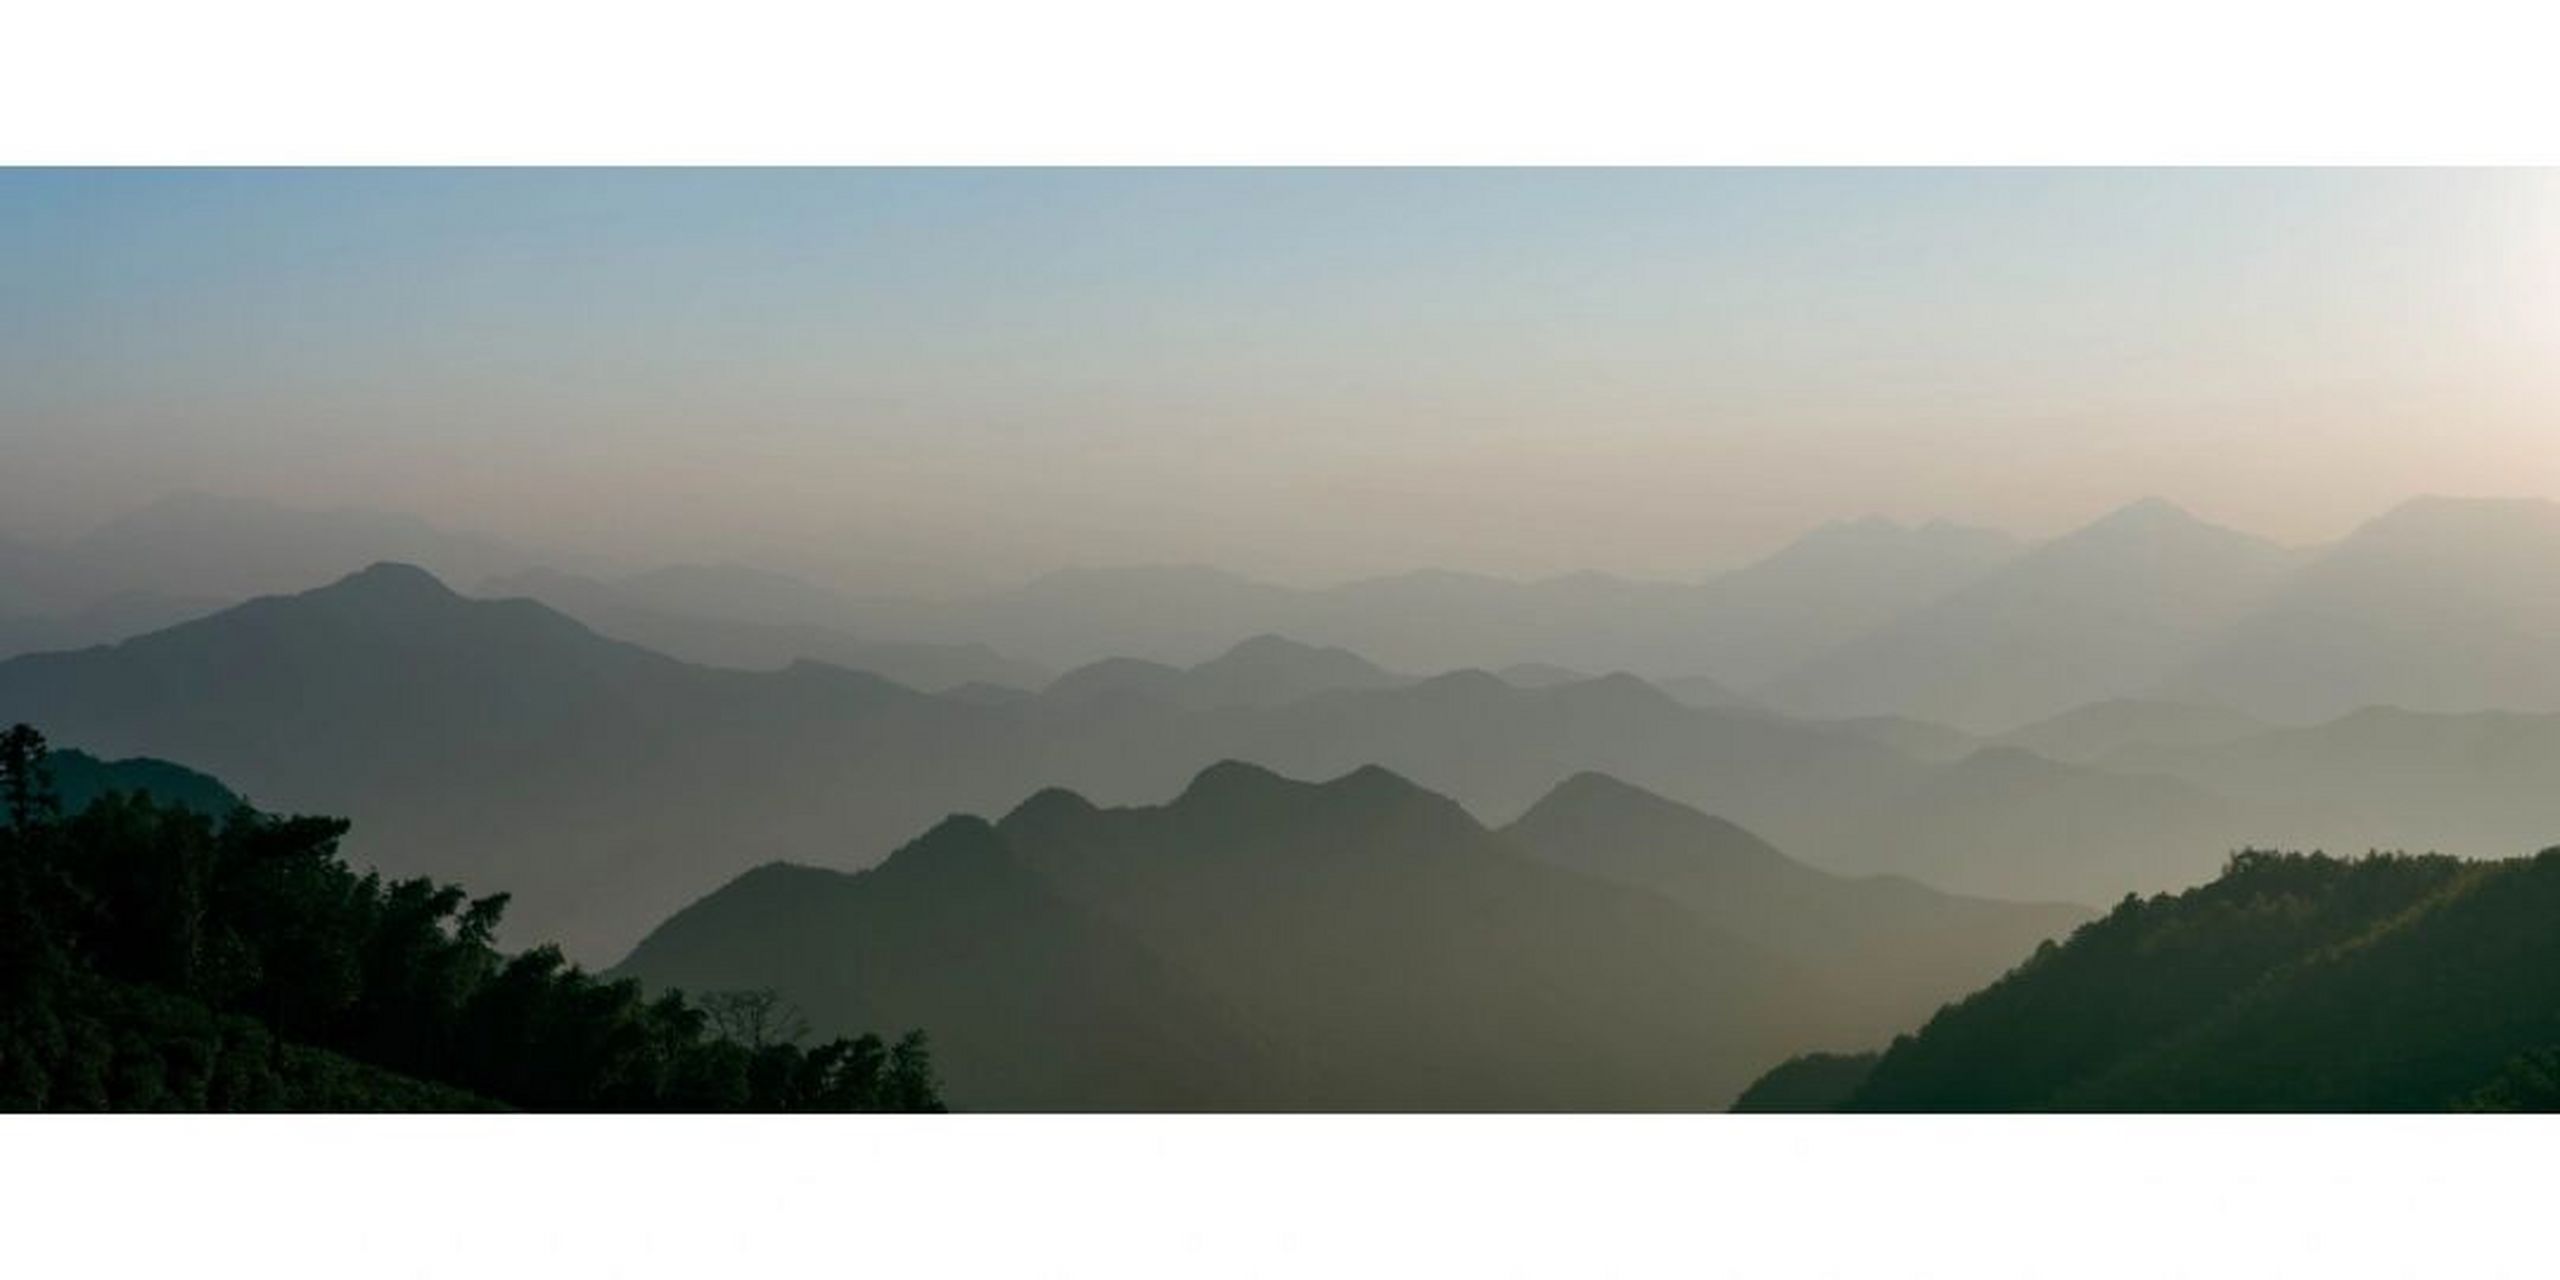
<point x="2292" y="983"/>
<point x="1889" y="945"/>
<point x="1359" y="944"/>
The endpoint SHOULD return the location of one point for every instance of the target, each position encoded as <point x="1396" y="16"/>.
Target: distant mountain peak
<point x="1271" y="644"/>
<point x="1049" y="804"/>
<point x="1234" y="783"/>
<point x="957" y="843"/>
<point x="1591" y="791"/>
<point x="389" y="581"/>
<point x="1591" y="810"/>
<point x="2150" y="524"/>
<point x="1279" y="655"/>
<point x="2151" y="512"/>
<point x="1376" y="780"/>
<point x="1230" y="780"/>
<point x="1591" y="784"/>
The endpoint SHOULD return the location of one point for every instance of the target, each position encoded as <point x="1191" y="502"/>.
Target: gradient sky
<point x="923" y="377"/>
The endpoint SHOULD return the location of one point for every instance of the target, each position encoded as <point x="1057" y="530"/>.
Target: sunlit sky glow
<point x="931" y="377"/>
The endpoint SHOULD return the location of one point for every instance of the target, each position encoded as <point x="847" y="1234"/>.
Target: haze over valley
<point x="1294" y="642"/>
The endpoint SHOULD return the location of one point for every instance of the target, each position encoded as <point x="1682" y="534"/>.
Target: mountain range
<point x="2110" y="610"/>
<point x="1358" y="944"/>
<point x="726" y="616"/>
<point x="2436" y="606"/>
<point x="607" y="783"/>
<point x="2433" y="606"/>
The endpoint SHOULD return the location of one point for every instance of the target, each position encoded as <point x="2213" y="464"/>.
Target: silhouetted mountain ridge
<point x="1358" y="943"/>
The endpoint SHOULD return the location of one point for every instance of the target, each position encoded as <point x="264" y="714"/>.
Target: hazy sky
<point x="1302" y="374"/>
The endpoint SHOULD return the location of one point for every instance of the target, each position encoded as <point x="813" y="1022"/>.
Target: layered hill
<point x="2109" y="611"/>
<point x="1359" y="944"/>
<point x="1263" y="671"/>
<point x="1735" y="628"/>
<point x="2473" y="784"/>
<point x="608" y="784"/>
<point x="494" y="741"/>
<point x="2439" y="605"/>
<point x="2118" y="727"/>
<point x="1886" y="943"/>
<point x="738" y="618"/>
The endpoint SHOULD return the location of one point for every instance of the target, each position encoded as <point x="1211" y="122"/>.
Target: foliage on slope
<point x="2292" y="983"/>
<point x="155" y="956"/>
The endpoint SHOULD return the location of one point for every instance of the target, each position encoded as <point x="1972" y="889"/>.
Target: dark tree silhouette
<point x="754" y="1018"/>
<point x="2295" y="982"/>
<point x="155" y="957"/>
<point x="24" y="783"/>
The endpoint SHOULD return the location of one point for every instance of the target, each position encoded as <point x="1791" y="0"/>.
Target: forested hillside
<point x="2292" y="983"/>
<point x="156" y="956"/>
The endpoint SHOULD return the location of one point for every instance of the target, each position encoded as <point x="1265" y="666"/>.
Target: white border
<point x="1315" y="81"/>
<point x="1326" y="1196"/>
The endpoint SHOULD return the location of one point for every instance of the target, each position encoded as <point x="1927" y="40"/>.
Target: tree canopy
<point x="2295" y="982"/>
<point x="156" y="956"/>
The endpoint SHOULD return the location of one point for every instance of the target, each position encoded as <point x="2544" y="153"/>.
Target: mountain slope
<point x="1900" y="947"/>
<point x="2475" y="784"/>
<point x="494" y="741"/>
<point x="1835" y="584"/>
<point x="2095" y="732"/>
<point x="79" y="779"/>
<point x="1354" y="945"/>
<point x="2291" y="983"/>
<point x="103" y="620"/>
<point x="2108" y="611"/>
<point x="1264" y="671"/>
<point x="751" y="638"/>
<point x="501" y="742"/>
<point x="1035" y="1003"/>
<point x="1734" y="629"/>
<point x="2440" y="605"/>
<point x="2010" y="823"/>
